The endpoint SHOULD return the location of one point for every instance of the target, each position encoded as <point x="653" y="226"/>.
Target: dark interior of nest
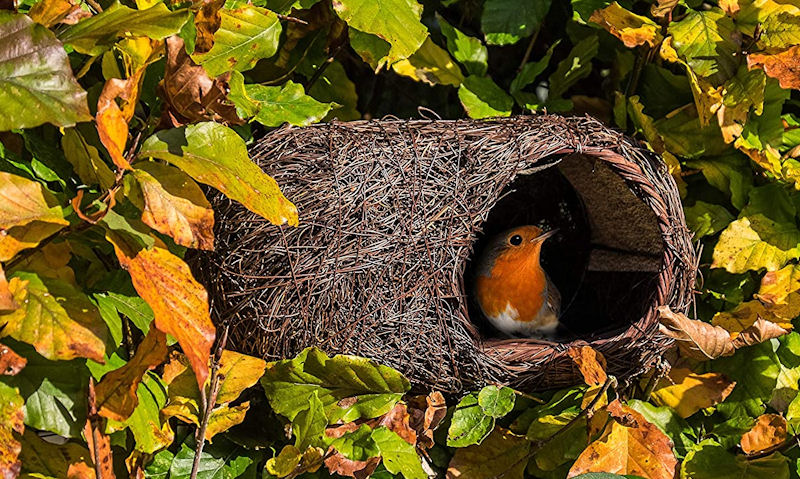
<point x="604" y="258"/>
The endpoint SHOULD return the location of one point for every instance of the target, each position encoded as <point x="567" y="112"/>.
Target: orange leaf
<point x="80" y="470"/>
<point x="11" y="363"/>
<point x="7" y="302"/>
<point x="688" y="392"/>
<point x="337" y="463"/>
<point x="632" y="29"/>
<point x="112" y="126"/>
<point x="783" y="66"/>
<point x="426" y="412"/>
<point x="116" y="392"/>
<point x="178" y="301"/>
<point x="629" y="445"/>
<point x="397" y="419"/>
<point x="696" y="339"/>
<point x="769" y="430"/>
<point x="18" y="238"/>
<point x="175" y="205"/>
<point x="591" y="364"/>
<point x="98" y="441"/>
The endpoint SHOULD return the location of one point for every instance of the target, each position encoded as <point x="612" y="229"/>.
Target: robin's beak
<point x="544" y="235"/>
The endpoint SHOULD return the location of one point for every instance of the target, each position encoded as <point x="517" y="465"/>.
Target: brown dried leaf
<point x="179" y="302"/>
<point x="116" y="392"/>
<point x="745" y="315"/>
<point x="783" y="66"/>
<point x="663" y="8"/>
<point x="52" y="12"/>
<point x="629" y="445"/>
<point x="191" y="94"/>
<point x="338" y="464"/>
<point x="591" y="364"/>
<point x="207" y="21"/>
<point x="769" y="430"/>
<point x="696" y="339"/>
<point x="397" y="419"/>
<point x="80" y="470"/>
<point x="426" y="412"/>
<point x="730" y="7"/>
<point x="688" y="392"/>
<point x="11" y="363"/>
<point x="762" y="330"/>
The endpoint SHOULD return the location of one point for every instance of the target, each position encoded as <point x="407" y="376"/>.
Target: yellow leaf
<point x="500" y="451"/>
<point x="755" y="242"/>
<point x="292" y="462"/>
<point x="739" y="94"/>
<point x="56" y="318"/>
<point x="19" y="238"/>
<point x="224" y="418"/>
<point x="430" y="64"/>
<point x="591" y="364"/>
<point x="178" y="301"/>
<point x="769" y="430"/>
<point x="175" y="205"/>
<point x="12" y="415"/>
<point x="48" y="459"/>
<point x="688" y="392"/>
<point x="780" y="292"/>
<point x="637" y="448"/>
<point x="632" y="29"/>
<point x="744" y="315"/>
<point x="112" y="126"/>
<point x="116" y="392"/>
<point x="52" y="12"/>
<point x="7" y="302"/>
<point x="49" y="261"/>
<point x="24" y="201"/>
<point x="238" y="372"/>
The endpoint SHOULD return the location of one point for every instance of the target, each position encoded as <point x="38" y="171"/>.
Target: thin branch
<point x="93" y="419"/>
<point x="529" y="50"/>
<point x="325" y="65"/>
<point x="291" y="19"/>
<point x="208" y="404"/>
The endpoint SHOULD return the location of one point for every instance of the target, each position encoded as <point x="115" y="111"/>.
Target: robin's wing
<point x="553" y="298"/>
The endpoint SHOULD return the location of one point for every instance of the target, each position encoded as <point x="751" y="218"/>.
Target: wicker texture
<point x="390" y="211"/>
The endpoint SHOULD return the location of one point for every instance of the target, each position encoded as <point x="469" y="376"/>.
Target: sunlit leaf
<point x="632" y="29"/>
<point x="36" y="81"/>
<point x="112" y="125"/>
<point x="96" y="34"/>
<point x="348" y="386"/>
<point x="770" y="430"/>
<point x="215" y="155"/>
<point x="469" y="425"/>
<point x="469" y="51"/>
<point x="740" y="93"/>
<point x="224" y="418"/>
<point x="696" y="339"/>
<point x="11" y="420"/>
<point x="591" y="364"/>
<point x="755" y="242"/>
<point x="495" y="401"/>
<point x="755" y="370"/>
<point x="782" y="66"/>
<point x="52" y="12"/>
<point x="710" y="461"/>
<point x="246" y="35"/>
<point x="116" y="392"/>
<point x="175" y="205"/>
<point x="504" y="22"/>
<point x="399" y="457"/>
<point x="56" y="318"/>
<point x="23" y="201"/>
<point x="745" y="315"/>
<point x="502" y="451"/>
<point x="430" y="64"/>
<point x="707" y="41"/>
<point x="638" y="448"/>
<point x="482" y="98"/>
<point x="371" y="48"/>
<point x="395" y="21"/>
<point x="276" y="105"/>
<point x="688" y="392"/>
<point x="150" y="430"/>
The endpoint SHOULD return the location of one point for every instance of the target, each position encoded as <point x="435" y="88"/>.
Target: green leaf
<point x="145" y="423"/>
<point x="754" y="242"/>
<point x="396" y="21"/>
<point x="583" y="9"/>
<point x="334" y="87"/>
<point x="59" y="320"/>
<point x="247" y="34"/>
<point x="399" y="457"/>
<point x="707" y="41"/>
<point x="430" y="64"/>
<point x="470" y="425"/>
<point x="54" y="392"/>
<point x="577" y="65"/>
<point x="276" y="105"/>
<point x="711" y="461"/>
<point x="36" y="81"/>
<point x="729" y="174"/>
<point x="684" y="135"/>
<point x="309" y="424"/>
<point x="371" y="48"/>
<point x="217" y="461"/>
<point x="529" y="72"/>
<point x="755" y="370"/>
<point x="705" y="219"/>
<point x="357" y="445"/>
<point x="159" y="466"/>
<point x="215" y="155"/>
<point x="482" y="98"/>
<point x="495" y="401"/>
<point x="780" y="30"/>
<point x="85" y="159"/>
<point x="96" y="34"/>
<point x="469" y="51"/>
<point x="349" y="387"/>
<point x="504" y="22"/>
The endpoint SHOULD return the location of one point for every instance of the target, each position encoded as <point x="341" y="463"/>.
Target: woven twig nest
<point x="390" y="213"/>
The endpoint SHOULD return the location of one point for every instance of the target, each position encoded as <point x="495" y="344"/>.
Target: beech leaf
<point x="496" y="401"/>
<point x="688" y="392"/>
<point x="276" y="105"/>
<point x="7" y="302"/>
<point x="12" y="414"/>
<point x="696" y="339"/>
<point x="783" y="66"/>
<point x="707" y="41"/>
<point x="23" y="201"/>
<point x="632" y="29"/>
<point x="395" y="21"/>
<point x="11" y="363"/>
<point x="399" y="457"/>
<point x="215" y="155"/>
<point x="754" y="242"/>
<point x="591" y="364"/>
<point x="501" y="451"/>
<point x="769" y="430"/>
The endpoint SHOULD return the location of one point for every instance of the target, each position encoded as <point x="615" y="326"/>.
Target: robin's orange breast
<point x="515" y="290"/>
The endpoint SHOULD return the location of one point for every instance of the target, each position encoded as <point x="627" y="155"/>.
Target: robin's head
<point x="522" y="243"/>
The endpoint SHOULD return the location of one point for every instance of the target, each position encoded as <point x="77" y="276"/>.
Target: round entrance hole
<point x="392" y="211"/>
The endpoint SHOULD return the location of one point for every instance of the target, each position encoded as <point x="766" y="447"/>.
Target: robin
<point x="512" y="289"/>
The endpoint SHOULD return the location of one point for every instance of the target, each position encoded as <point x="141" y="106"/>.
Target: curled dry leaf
<point x="762" y="330"/>
<point x="783" y="66"/>
<point x="662" y="8"/>
<point x="688" y="392"/>
<point x="11" y="363"/>
<point x="191" y="94"/>
<point x="591" y="364"/>
<point x="629" y="445"/>
<point x="427" y="412"/>
<point x="769" y="430"/>
<point x="696" y="339"/>
<point x="744" y="316"/>
<point x="397" y="419"/>
<point x="337" y="463"/>
<point x="116" y="392"/>
<point x="112" y="121"/>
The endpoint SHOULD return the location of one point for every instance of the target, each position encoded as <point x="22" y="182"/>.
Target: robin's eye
<point x="515" y="240"/>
